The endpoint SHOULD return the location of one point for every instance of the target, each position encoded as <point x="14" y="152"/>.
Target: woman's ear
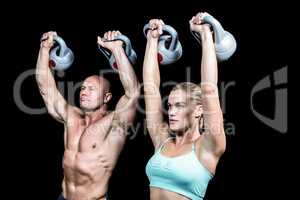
<point x="107" y="97"/>
<point x="198" y="111"/>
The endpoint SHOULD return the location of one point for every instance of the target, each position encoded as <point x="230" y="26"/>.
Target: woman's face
<point x="181" y="111"/>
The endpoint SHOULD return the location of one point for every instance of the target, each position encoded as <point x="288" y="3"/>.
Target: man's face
<point x="92" y="94"/>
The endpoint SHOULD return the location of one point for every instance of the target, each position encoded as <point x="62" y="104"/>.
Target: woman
<point x="188" y="148"/>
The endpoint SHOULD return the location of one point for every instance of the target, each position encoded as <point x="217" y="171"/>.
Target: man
<point x="93" y="138"/>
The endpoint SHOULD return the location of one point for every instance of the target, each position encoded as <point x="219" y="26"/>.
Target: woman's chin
<point x="175" y="129"/>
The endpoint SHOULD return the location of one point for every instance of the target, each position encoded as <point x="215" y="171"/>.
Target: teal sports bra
<point x="182" y="174"/>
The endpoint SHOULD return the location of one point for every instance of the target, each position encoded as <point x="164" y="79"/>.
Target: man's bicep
<point x="56" y="105"/>
<point x="125" y="110"/>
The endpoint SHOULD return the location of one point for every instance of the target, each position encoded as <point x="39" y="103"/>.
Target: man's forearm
<point x="126" y="73"/>
<point x="44" y="76"/>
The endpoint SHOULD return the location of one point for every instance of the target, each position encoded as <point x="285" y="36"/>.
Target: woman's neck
<point x="188" y="136"/>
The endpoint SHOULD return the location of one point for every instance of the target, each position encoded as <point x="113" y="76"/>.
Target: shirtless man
<point x="93" y="138"/>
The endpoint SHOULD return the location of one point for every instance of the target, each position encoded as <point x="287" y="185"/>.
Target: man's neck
<point x="92" y="116"/>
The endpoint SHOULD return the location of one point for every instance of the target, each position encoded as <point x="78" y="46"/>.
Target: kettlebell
<point x="225" y="43"/>
<point x="132" y="57"/>
<point x="61" y="57"/>
<point x="169" y="46"/>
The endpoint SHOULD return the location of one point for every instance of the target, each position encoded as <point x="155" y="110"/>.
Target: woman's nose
<point x="172" y="111"/>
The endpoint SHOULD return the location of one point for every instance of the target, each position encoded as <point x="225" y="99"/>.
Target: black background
<point x="256" y="163"/>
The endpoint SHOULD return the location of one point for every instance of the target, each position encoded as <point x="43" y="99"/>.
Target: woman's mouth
<point x="172" y="121"/>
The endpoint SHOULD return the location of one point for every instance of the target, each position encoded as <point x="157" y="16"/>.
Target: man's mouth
<point x="83" y="99"/>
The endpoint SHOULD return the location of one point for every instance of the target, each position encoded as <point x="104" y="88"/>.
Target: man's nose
<point x="84" y="92"/>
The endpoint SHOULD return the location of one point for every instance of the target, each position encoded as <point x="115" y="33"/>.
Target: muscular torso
<point x="91" y="153"/>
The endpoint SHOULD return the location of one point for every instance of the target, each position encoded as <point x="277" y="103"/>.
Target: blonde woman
<point x="189" y="146"/>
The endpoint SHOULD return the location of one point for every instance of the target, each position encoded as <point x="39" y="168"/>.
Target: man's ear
<point x="107" y="97"/>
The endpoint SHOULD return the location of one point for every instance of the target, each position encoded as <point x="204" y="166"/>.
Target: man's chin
<point x="86" y="109"/>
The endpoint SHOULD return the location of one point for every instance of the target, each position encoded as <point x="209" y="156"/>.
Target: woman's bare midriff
<point x="159" y="194"/>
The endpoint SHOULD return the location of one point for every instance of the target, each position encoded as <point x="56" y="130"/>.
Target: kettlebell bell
<point x="132" y="57"/>
<point x="61" y="57"/>
<point x="169" y="46"/>
<point x="225" y="43"/>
